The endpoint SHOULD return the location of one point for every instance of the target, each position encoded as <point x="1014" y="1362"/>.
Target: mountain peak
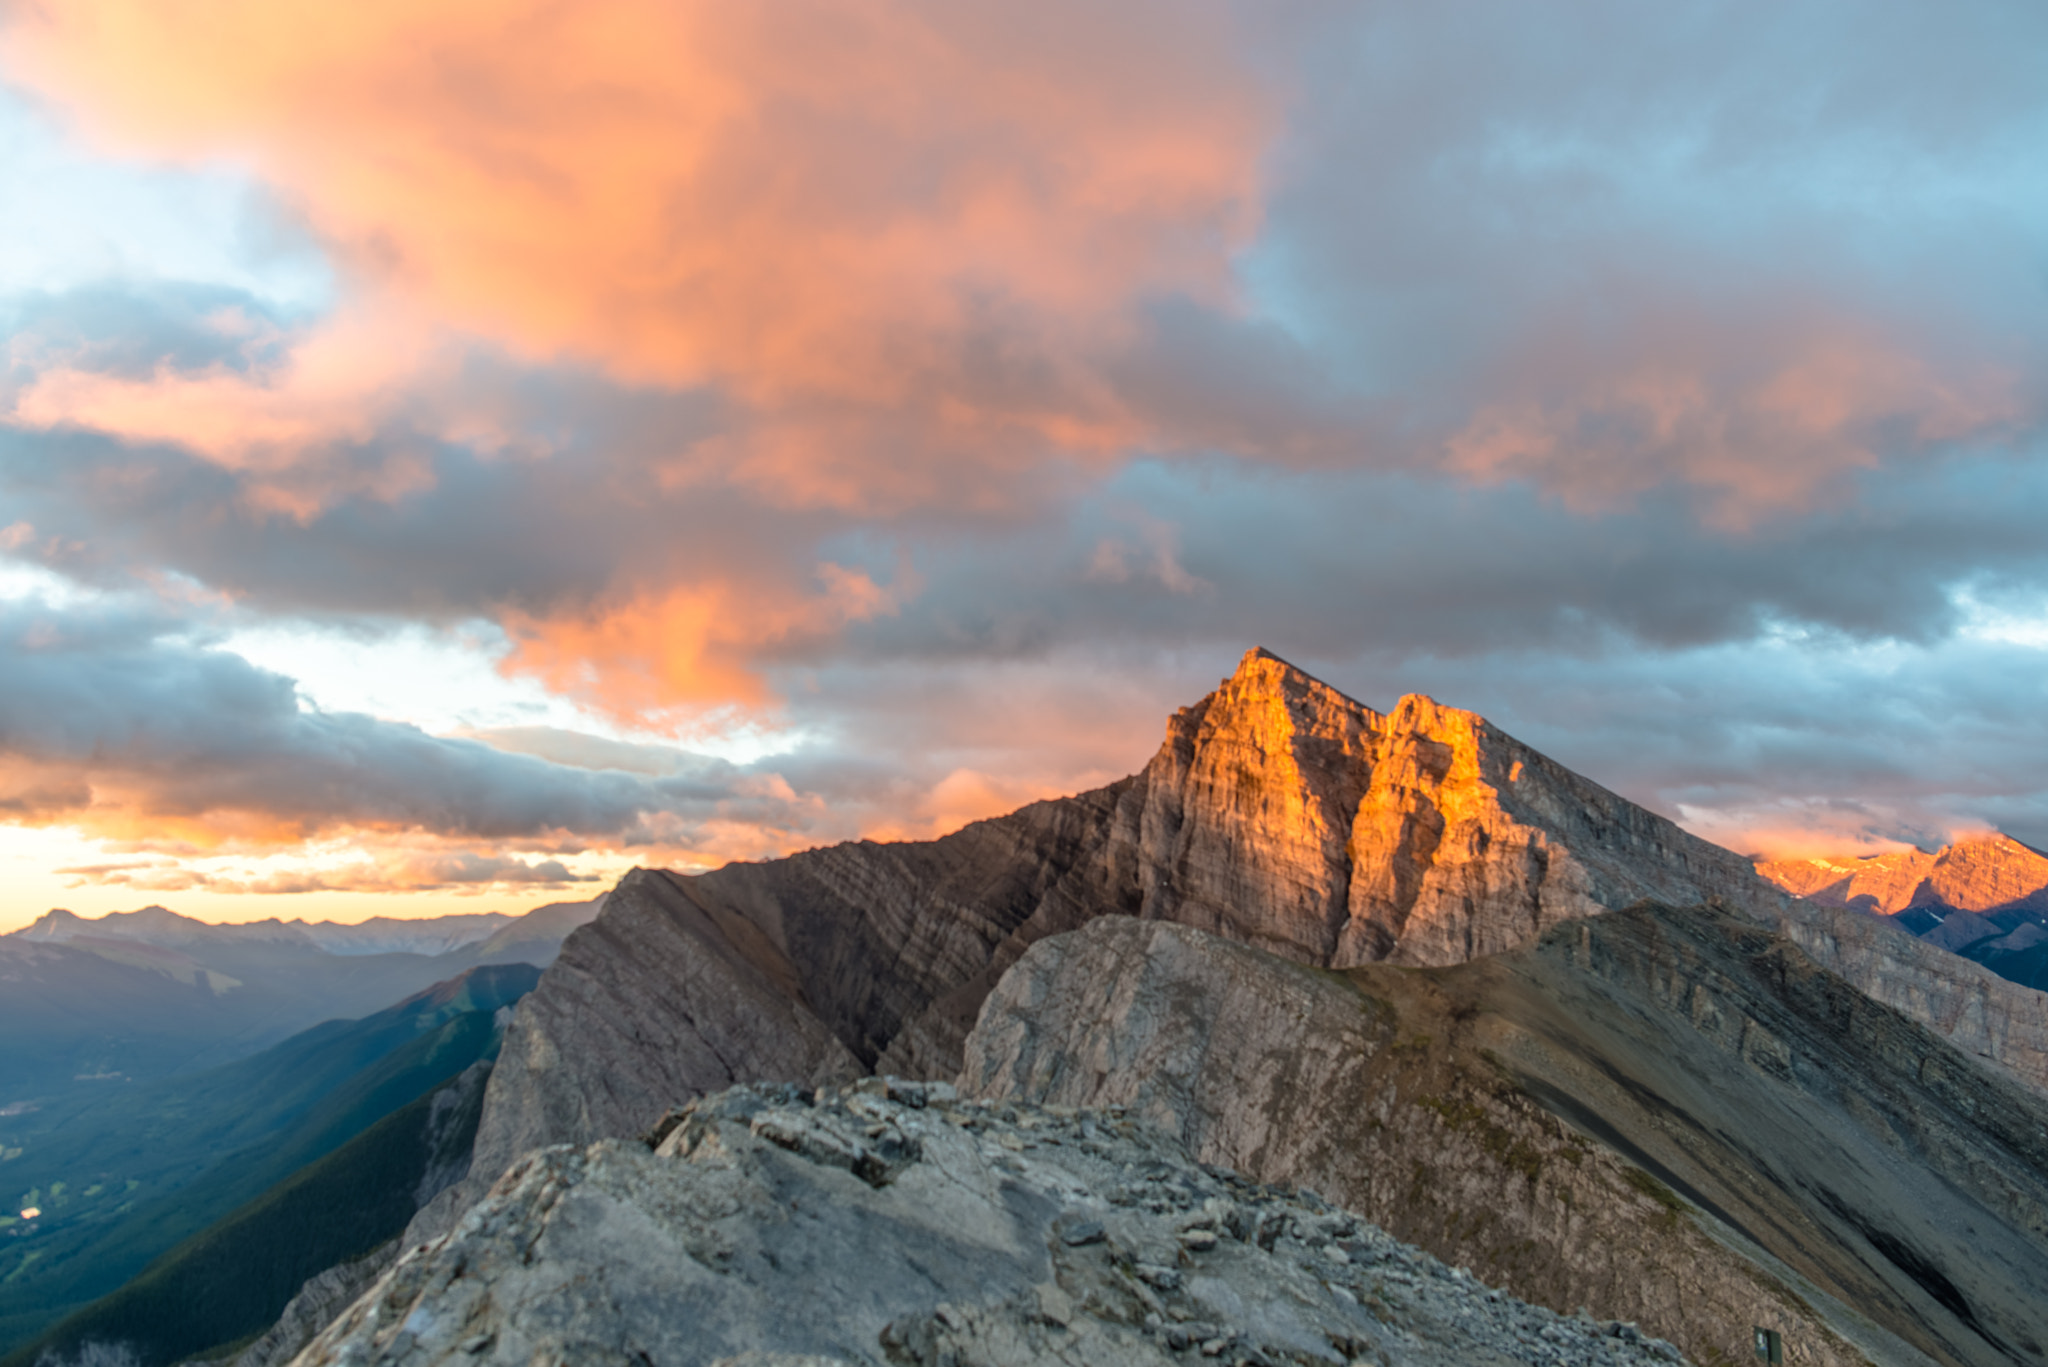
<point x="61" y="924"/>
<point x="1980" y="873"/>
<point x="1281" y="812"/>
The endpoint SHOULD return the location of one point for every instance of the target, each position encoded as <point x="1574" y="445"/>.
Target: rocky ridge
<point x="1281" y="814"/>
<point x="891" y="1222"/>
<point x="1277" y="812"/>
<point x="1671" y="1115"/>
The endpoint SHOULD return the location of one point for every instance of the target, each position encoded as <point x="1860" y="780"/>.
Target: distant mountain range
<point x="145" y="994"/>
<point x="1985" y="898"/>
<point x="378" y="935"/>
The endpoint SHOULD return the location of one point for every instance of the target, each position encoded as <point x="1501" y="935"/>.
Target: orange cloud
<point x="669" y="656"/>
<point x="938" y="208"/>
<point x="1764" y="421"/>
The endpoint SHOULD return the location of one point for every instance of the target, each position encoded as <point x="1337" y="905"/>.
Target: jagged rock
<point x="1671" y="1115"/>
<point x="1277" y="811"/>
<point x="1988" y="873"/>
<point x="887" y="1222"/>
<point x="1281" y="813"/>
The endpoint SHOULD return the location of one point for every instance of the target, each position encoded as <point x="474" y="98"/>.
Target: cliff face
<point x="1990" y="874"/>
<point x="1673" y="1116"/>
<point x="1278" y="812"/>
<point x="1281" y="813"/>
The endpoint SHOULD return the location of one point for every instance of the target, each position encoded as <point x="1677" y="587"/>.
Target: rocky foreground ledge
<point x="892" y="1222"/>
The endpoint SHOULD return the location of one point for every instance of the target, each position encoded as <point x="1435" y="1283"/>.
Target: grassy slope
<point x="230" y="1281"/>
<point x="192" y="1156"/>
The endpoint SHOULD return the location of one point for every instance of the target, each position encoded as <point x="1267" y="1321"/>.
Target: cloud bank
<point x="950" y="392"/>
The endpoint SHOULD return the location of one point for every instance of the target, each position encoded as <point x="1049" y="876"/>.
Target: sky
<point x="451" y="453"/>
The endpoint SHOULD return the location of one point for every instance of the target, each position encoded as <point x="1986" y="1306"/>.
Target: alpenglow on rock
<point x="1985" y="874"/>
<point x="1282" y="813"/>
<point x="1278" y="812"/>
<point x="890" y="1223"/>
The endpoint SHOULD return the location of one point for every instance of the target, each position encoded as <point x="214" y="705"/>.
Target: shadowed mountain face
<point x="1278" y="813"/>
<point x="1673" y="1116"/>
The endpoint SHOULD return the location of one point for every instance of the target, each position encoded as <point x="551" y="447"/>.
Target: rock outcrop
<point x="1281" y="813"/>
<point x="1673" y="1116"/>
<point x="889" y="1223"/>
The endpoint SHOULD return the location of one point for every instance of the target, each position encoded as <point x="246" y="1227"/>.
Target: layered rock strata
<point x="1972" y="1007"/>
<point x="1281" y="813"/>
<point x="887" y="1222"/>
<point x="1671" y="1116"/>
<point x="1278" y="812"/>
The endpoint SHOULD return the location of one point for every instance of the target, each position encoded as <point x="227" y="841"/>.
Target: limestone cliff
<point x="1675" y="1117"/>
<point x="1277" y="812"/>
<point x="1281" y="813"/>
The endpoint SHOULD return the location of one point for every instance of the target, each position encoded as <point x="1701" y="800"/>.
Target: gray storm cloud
<point x="1637" y="374"/>
<point x="113" y="705"/>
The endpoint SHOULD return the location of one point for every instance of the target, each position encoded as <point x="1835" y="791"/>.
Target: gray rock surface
<point x="889" y="1223"/>
<point x="660" y="998"/>
<point x="1669" y="1115"/>
<point x="1278" y="812"/>
<point x="1979" y="1012"/>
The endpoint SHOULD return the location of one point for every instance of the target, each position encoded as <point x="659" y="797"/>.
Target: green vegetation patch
<point x="228" y="1283"/>
<point x="1497" y="1141"/>
<point x="1664" y="1196"/>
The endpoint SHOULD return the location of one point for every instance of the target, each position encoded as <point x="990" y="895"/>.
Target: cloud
<point x="952" y="392"/>
<point x="110" y="719"/>
<point x="903" y="226"/>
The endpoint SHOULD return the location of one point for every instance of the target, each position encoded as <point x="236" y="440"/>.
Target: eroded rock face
<point x="1277" y="812"/>
<point x="1972" y="1007"/>
<point x="1673" y="1116"/>
<point x="1281" y="813"/>
<point x="888" y="1222"/>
